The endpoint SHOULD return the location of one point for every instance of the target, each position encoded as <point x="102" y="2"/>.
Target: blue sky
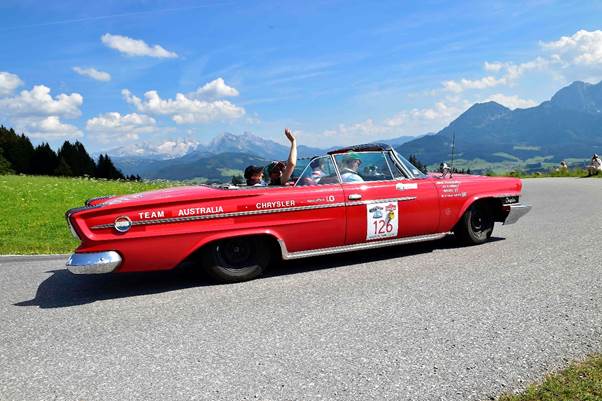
<point x="172" y="74"/>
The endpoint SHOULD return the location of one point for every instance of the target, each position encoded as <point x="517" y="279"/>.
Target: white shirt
<point x="350" y="176"/>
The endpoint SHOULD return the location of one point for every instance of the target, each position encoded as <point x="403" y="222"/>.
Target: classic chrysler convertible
<point x="360" y="197"/>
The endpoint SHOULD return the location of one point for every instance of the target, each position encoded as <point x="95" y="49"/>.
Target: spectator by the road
<point x="595" y="166"/>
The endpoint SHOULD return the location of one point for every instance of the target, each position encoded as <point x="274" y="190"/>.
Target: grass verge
<point x="581" y="381"/>
<point x="576" y="173"/>
<point x="32" y="209"/>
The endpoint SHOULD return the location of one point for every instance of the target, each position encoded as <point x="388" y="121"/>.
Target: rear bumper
<point x="93" y="263"/>
<point x="517" y="211"/>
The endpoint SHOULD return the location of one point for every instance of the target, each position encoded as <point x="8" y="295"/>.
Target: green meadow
<point x="32" y="209"/>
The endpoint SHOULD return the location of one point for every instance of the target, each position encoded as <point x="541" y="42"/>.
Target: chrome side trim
<point x="93" y="263"/>
<point x="72" y="229"/>
<point x="253" y="212"/>
<point x="367" y="202"/>
<point x="224" y="215"/>
<point x="88" y="201"/>
<point x="517" y="210"/>
<point x="286" y="255"/>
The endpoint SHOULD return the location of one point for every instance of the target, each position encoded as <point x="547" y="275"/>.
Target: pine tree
<point x="17" y="149"/>
<point x="412" y="159"/>
<point x="237" y="180"/>
<point x="78" y="159"/>
<point x="63" y="169"/>
<point x="5" y="166"/>
<point x="106" y="169"/>
<point x="44" y="161"/>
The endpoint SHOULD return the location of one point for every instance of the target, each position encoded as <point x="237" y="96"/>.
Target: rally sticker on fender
<point x="382" y="220"/>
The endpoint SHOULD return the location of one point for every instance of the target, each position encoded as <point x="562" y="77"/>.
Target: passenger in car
<point x="351" y="163"/>
<point x="254" y="176"/>
<point x="280" y="172"/>
<point x="317" y="171"/>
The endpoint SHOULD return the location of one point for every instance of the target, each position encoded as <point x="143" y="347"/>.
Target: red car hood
<point x="175" y="194"/>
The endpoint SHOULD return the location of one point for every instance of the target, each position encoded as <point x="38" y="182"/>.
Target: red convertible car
<point x="360" y="197"/>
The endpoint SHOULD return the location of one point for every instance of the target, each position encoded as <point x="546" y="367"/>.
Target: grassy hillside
<point x="32" y="210"/>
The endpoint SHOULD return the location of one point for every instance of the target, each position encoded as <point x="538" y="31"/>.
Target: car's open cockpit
<point x="360" y="163"/>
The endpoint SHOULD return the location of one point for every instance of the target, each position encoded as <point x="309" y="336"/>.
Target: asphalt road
<point x="424" y="322"/>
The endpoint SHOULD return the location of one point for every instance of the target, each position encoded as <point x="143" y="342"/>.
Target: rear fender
<point x="225" y="235"/>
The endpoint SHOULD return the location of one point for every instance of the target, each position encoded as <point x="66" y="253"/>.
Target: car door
<point x="383" y="201"/>
<point x="315" y="207"/>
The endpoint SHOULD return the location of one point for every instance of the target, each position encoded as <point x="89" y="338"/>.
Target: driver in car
<point x="351" y="164"/>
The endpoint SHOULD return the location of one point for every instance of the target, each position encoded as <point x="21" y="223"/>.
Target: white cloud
<point x="440" y="114"/>
<point x="8" y="83"/>
<point x="493" y="67"/>
<point x="215" y="89"/>
<point x="135" y="47"/>
<point x="406" y="122"/>
<point x="48" y="128"/>
<point x="367" y="129"/>
<point x="463" y="84"/>
<point x="582" y="48"/>
<point x="116" y="127"/>
<point x="184" y="109"/>
<point x="177" y="147"/>
<point x="39" y="102"/>
<point x="36" y="113"/>
<point x="512" y="102"/>
<point x="510" y="73"/>
<point x="93" y="73"/>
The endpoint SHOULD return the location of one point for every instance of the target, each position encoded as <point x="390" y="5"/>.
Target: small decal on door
<point x="404" y="186"/>
<point x="382" y="220"/>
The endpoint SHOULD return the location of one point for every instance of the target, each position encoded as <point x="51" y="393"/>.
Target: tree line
<point x="19" y="156"/>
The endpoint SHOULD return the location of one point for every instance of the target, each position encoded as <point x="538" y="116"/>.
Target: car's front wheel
<point x="476" y="225"/>
<point x="236" y="259"/>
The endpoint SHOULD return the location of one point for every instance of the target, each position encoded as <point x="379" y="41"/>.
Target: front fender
<point x="488" y="195"/>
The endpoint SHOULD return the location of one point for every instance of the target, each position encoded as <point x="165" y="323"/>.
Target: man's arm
<point x="292" y="158"/>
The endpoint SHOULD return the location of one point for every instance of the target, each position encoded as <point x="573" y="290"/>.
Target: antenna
<point x="451" y="173"/>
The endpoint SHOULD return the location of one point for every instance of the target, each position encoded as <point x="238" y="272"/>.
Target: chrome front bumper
<point x="517" y="211"/>
<point x="93" y="263"/>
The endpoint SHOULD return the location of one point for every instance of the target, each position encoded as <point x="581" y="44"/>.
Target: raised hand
<point x="289" y="135"/>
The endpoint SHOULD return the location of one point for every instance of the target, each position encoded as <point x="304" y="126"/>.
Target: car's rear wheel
<point x="476" y="225"/>
<point x="236" y="259"/>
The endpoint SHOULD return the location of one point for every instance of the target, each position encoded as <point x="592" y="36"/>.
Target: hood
<point x="174" y="194"/>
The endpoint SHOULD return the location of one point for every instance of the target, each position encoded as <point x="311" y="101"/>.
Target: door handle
<point x="355" y="197"/>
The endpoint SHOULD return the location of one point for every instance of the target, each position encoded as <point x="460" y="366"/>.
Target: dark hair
<point x="250" y="171"/>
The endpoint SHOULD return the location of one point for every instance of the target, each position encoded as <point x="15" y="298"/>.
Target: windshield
<point x="301" y="165"/>
<point x="409" y="166"/>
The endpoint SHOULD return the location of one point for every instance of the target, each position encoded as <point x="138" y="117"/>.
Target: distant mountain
<point x="149" y="162"/>
<point x="220" y="167"/>
<point x="166" y="150"/>
<point x="580" y="96"/>
<point x="567" y="126"/>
